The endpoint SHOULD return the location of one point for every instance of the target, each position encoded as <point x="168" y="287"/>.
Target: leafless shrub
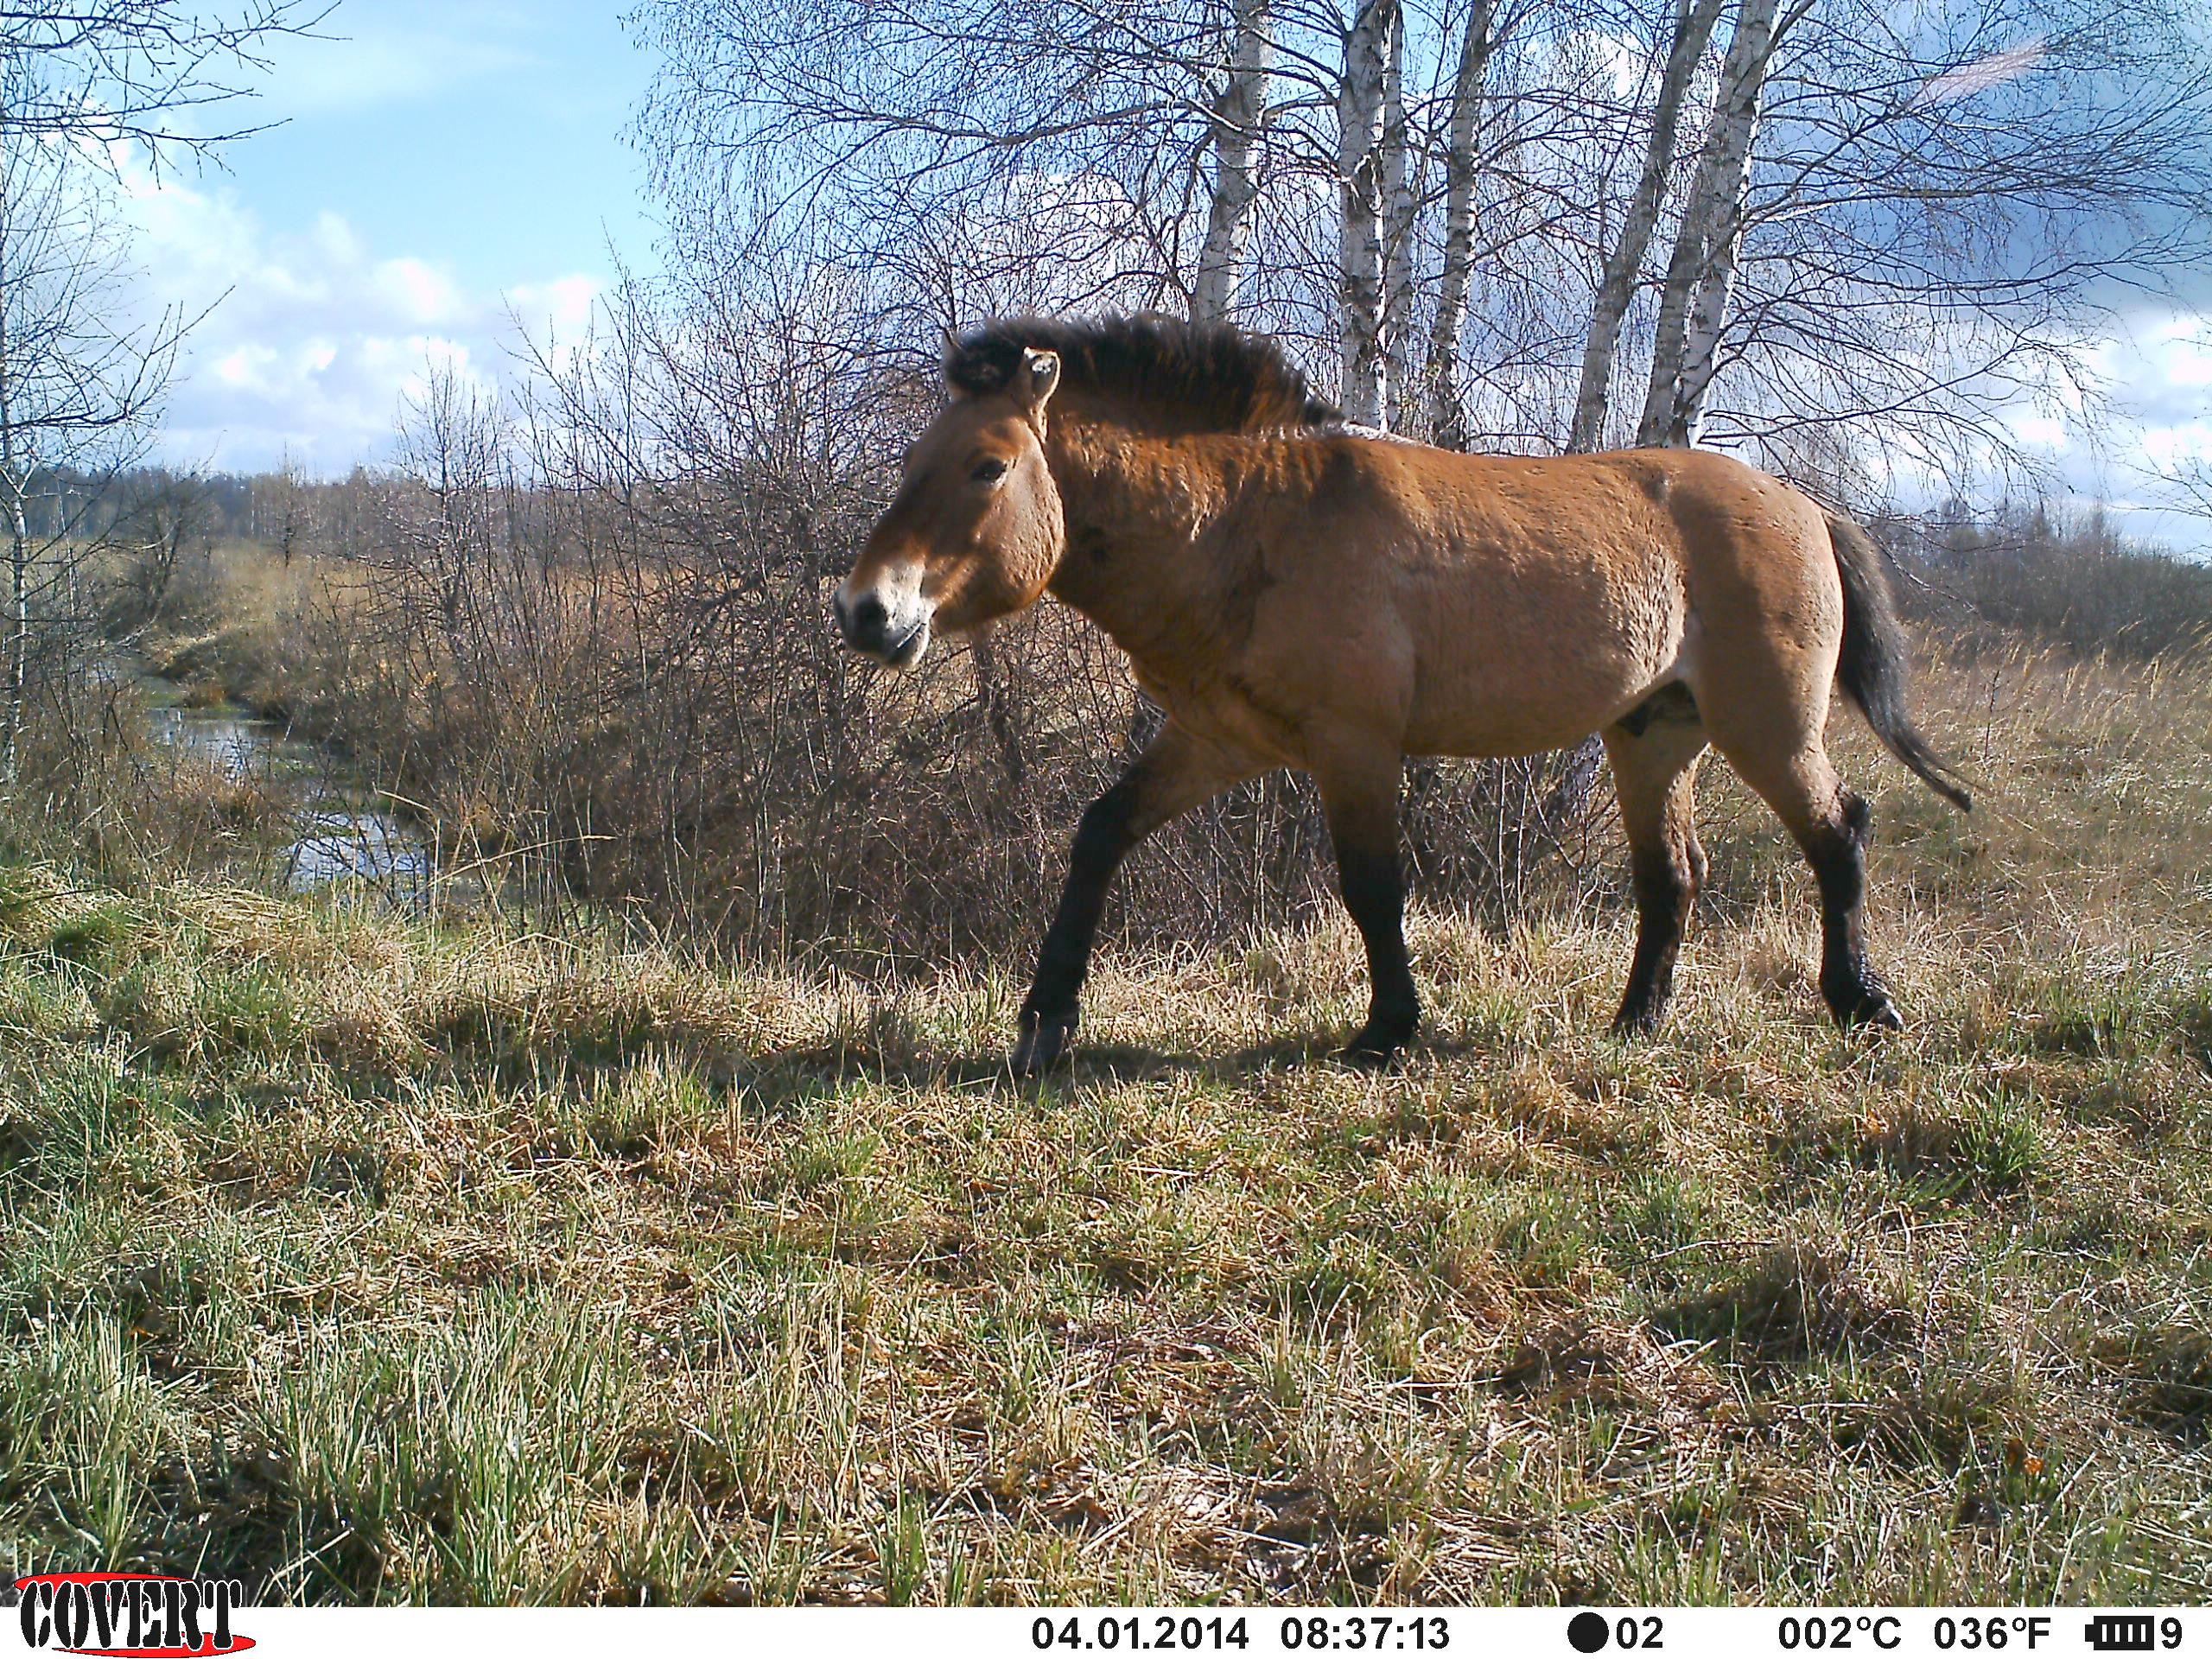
<point x="584" y="630"/>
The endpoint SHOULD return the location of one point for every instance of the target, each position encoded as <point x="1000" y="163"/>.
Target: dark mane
<point x="1164" y="375"/>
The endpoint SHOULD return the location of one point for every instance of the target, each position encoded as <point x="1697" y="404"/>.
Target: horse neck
<point x="1135" y="509"/>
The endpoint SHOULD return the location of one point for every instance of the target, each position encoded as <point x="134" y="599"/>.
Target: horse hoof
<point x="1870" y="1010"/>
<point x="1372" y="1051"/>
<point x="1876" y="1013"/>
<point x="1043" y="1045"/>
<point x="1633" y="1025"/>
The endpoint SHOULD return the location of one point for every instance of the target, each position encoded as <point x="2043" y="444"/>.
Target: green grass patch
<point x="375" y="1261"/>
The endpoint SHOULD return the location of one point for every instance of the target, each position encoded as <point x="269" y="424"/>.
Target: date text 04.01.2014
<point x="1345" y="1633"/>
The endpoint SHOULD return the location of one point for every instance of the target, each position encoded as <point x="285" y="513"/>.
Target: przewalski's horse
<point x="1296" y="595"/>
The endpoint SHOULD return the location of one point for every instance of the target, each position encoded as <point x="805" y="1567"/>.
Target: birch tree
<point x="1907" y="225"/>
<point x="1362" y="103"/>
<point x="1695" y="299"/>
<point x="1889" y="218"/>
<point x="1237" y="117"/>
<point x="1400" y="207"/>
<point x="1462" y="173"/>
<point x="1693" y="28"/>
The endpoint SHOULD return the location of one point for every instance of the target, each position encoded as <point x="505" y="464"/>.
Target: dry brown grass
<point x="372" y="1260"/>
<point x="240" y="624"/>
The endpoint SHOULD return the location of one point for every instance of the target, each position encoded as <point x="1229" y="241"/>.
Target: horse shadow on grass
<point x="790" y="1075"/>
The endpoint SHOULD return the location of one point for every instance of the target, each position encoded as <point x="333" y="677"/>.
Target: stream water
<point x="339" y="832"/>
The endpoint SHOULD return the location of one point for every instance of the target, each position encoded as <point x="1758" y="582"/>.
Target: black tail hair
<point x="1873" y="667"/>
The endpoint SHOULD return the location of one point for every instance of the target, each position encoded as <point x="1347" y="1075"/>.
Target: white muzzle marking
<point x="889" y="619"/>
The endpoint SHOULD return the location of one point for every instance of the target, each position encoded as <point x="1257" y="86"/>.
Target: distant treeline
<point x="2069" y="578"/>
<point x="620" y="687"/>
<point x="72" y="503"/>
<point x="2065" y="575"/>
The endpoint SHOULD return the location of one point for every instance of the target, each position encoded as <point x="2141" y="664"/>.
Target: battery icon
<point x="2121" y="1633"/>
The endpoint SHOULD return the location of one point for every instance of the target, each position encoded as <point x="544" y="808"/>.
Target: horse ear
<point x="1040" y="374"/>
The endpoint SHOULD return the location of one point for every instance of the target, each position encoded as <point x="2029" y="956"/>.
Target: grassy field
<point x="369" y="1261"/>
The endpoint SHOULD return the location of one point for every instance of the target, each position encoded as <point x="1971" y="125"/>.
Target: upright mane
<point x="1155" y="373"/>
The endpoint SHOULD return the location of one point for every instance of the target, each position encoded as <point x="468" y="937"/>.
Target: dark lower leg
<point x="1854" y="992"/>
<point x="1049" y="1014"/>
<point x="1375" y="894"/>
<point x="1665" y="890"/>
<point x="1173" y="774"/>
<point x="1655" y="769"/>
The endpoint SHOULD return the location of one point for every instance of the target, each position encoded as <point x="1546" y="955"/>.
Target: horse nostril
<point x="867" y="624"/>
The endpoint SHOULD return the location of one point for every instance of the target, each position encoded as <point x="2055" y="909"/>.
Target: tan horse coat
<point x="1293" y="595"/>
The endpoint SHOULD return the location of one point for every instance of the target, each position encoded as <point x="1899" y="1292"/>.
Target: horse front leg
<point x="1360" y="791"/>
<point x="1175" y="772"/>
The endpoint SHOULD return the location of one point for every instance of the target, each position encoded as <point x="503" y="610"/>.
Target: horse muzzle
<point x="895" y="632"/>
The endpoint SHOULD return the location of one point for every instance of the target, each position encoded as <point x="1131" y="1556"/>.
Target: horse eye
<point x="988" y="471"/>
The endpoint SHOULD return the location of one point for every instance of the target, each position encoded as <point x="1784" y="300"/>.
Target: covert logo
<point x="129" y="1614"/>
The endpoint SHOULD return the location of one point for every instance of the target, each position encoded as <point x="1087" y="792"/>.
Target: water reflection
<point x="339" y="838"/>
<point x="367" y="845"/>
<point x="232" y="742"/>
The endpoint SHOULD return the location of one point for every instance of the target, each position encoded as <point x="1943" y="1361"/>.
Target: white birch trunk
<point x="19" y="632"/>
<point x="1359" y="240"/>
<point x="1712" y="222"/>
<point x="1693" y="23"/>
<point x="1708" y="317"/>
<point x="1236" y="121"/>
<point x="19" y="620"/>
<point x="1447" y="421"/>
<point x="1399" y="208"/>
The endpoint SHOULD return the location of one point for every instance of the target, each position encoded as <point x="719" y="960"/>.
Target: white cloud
<point x="2037" y="431"/>
<point x="317" y="339"/>
<point x="564" y="304"/>
<point x="419" y="290"/>
<point x="2186" y="353"/>
<point x="2156" y="372"/>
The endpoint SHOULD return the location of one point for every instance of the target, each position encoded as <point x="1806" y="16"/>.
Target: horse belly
<point x="1538" y="665"/>
<point x="1498" y="726"/>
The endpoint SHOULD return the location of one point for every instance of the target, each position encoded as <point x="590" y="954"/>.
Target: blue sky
<point x="449" y="176"/>
<point x="442" y="170"/>
<point x="485" y="131"/>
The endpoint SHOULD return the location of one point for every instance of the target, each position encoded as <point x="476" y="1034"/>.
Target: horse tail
<point x="1872" y="669"/>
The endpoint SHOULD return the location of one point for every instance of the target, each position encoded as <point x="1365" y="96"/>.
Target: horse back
<point x="1502" y="605"/>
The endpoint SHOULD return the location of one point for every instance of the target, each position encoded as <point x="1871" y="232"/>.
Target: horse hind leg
<point x="1856" y="995"/>
<point x="1830" y="823"/>
<point x="1655" y="755"/>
